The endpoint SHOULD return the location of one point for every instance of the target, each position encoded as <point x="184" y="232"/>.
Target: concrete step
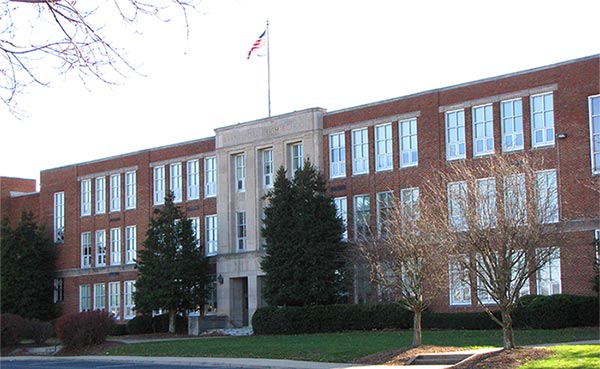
<point x="437" y="359"/>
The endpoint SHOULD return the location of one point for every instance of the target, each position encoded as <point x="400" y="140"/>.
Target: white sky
<point x="327" y="53"/>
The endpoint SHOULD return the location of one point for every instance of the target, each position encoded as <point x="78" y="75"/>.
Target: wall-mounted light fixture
<point x="220" y="279"/>
<point x="560" y="136"/>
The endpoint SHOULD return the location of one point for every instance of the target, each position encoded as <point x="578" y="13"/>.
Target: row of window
<point x="95" y="297"/>
<point x="115" y="193"/>
<point x="192" y="180"/>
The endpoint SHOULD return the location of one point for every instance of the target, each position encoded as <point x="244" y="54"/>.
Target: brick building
<point x="98" y="211"/>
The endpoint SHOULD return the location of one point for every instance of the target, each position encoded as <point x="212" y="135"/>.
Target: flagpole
<point x="268" y="69"/>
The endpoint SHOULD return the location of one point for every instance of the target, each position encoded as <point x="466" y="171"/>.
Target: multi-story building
<point x="98" y="212"/>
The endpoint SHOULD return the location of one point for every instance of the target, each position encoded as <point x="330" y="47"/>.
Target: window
<point x="59" y="290"/>
<point x="129" y="305"/>
<point x="59" y="217"/>
<point x="85" y="298"/>
<point x="546" y="191"/>
<point x="483" y="130"/>
<point x="115" y="192"/>
<point x="511" y="117"/>
<point x="456" y="147"/>
<point x="175" y="181"/>
<point x="86" y="197"/>
<point x="130" y="190"/>
<point x="210" y="234"/>
<point x="483" y="275"/>
<point x="114" y="299"/>
<point x="337" y="155"/>
<point x="457" y="205"/>
<point x="196" y="228"/>
<point x="240" y="172"/>
<point x="542" y="120"/>
<point x="210" y="177"/>
<point x="100" y="296"/>
<point x="515" y="199"/>
<point x="267" y="168"/>
<point x="409" y="154"/>
<point x="101" y="248"/>
<point x="409" y="202"/>
<point x="240" y="225"/>
<point x="296" y="157"/>
<point x="362" y="216"/>
<point x="115" y="246"/>
<point x="519" y="269"/>
<point x="385" y="206"/>
<point x="193" y="180"/>
<point x="100" y="195"/>
<point x="460" y="290"/>
<point x="548" y="277"/>
<point x="360" y="151"/>
<point x="130" y="244"/>
<point x="486" y="203"/>
<point x="86" y="249"/>
<point x="383" y="147"/>
<point x="341" y="206"/>
<point x="159" y="185"/>
<point x="594" y="111"/>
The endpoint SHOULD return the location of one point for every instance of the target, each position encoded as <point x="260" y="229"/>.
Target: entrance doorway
<point x="239" y="302"/>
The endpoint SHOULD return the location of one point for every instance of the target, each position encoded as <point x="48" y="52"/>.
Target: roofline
<point x="275" y="117"/>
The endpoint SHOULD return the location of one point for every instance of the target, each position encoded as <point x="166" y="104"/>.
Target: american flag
<point x="260" y="42"/>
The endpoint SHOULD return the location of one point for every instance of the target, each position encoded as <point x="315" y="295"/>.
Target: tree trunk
<point x="172" y="316"/>
<point x="417" y="331"/>
<point x="507" y="331"/>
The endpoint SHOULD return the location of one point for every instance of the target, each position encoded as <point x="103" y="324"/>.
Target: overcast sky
<point x="332" y="54"/>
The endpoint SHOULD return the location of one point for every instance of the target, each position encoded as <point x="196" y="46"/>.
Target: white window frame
<point x="362" y="215"/>
<point x="483" y="129"/>
<point x="511" y="118"/>
<point x="210" y="176"/>
<point x="486" y="203"/>
<point x="267" y="167"/>
<point x="114" y="299"/>
<point x="384" y="204"/>
<point x="85" y="297"/>
<point x="458" y="205"/>
<point x="100" y="247"/>
<point x="159" y="185"/>
<point x="211" y="234"/>
<point x="337" y="155"/>
<point x="459" y="290"/>
<point x="241" y="230"/>
<point x="384" y="158"/>
<point x="193" y="179"/>
<point x="86" y="249"/>
<point x="482" y="294"/>
<point x="175" y="182"/>
<point x="519" y="261"/>
<point x="128" y="301"/>
<point x="130" y="244"/>
<point x="59" y="217"/>
<point x="59" y="290"/>
<point x="594" y="118"/>
<point x="549" y="276"/>
<point x="240" y="172"/>
<point x="196" y="228"/>
<point x="546" y="191"/>
<point x="360" y="151"/>
<point x="296" y="157"/>
<point x="456" y="142"/>
<point x="130" y="190"/>
<point x="100" y="296"/>
<point x="86" y="197"/>
<point x="100" y="195"/>
<point x="409" y="203"/>
<point x="115" y="192"/>
<point x="115" y="246"/>
<point x="545" y="116"/>
<point x="341" y="206"/>
<point x="515" y="199"/>
<point x="408" y="142"/>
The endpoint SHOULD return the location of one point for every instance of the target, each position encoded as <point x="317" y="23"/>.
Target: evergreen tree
<point x="173" y="269"/>
<point x="27" y="273"/>
<point x="305" y="255"/>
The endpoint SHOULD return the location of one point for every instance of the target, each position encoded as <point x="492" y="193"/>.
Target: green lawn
<point x="341" y="347"/>
<point x="569" y="357"/>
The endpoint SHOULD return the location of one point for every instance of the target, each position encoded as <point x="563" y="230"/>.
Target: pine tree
<point x="27" y="273"/>
<point x="305" y="255"/>
<point x="173" y="270"/>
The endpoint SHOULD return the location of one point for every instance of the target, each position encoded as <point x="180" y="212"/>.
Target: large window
<point x="409" y="202"/>
<point x="114" y="299"/>
<point x="159" y="185"/>
<point x="193" y="180"/>
<point x="511" y="117"/>
<point x="100" y="195"/>
<point x="548" y="277"/>
<point x="383" y="147"/>
<point x="542" y="120"/>
<point x="409" y="154"/>
<point x="337" y="155"/>
<point x="456" y="146"/>
<point x="196" y="228"/>
<point x="594" y="111"/>
<point x="486" y="203"/>
<point x="85" y="297"/>
<point x="100" y="296"/>
<point x="385" y="206"/>
<point x="546" y="191"/>
<point x="457" y="205"/>
<point x="515" y="198"/>
<point x="210" y="176"/>
<point x="100" y="248"/>
<point x="240" y="172"/>
<point x="130" y="190"/>
<point x="362" y="216"/>
<point x="115" y="246"/>
<point x="210" y="234"/>
<point x="296" y="156"/>
<point x="128" y="303"/>
<point x="267" y="168"/>
<point x="86" y="249"/>
<point x="360" y="151"/>
<point x="483" y="130"/>
<point x="86" y="197"/>
<point x="341" y="206"/>
<point x="459" y="289"/>
<point x="175" y="184"/>
<point x="130" y="244"/>
<point x="59" y="290"/>
<point x="115" y="192"/>
<point x="59" y="217"/>
<point x="240" y="226"/>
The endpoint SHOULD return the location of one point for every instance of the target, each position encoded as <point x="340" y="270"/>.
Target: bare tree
<point x="68" y="36"/>
<point x="502" y="227"/>
<point x="405" y="259"/>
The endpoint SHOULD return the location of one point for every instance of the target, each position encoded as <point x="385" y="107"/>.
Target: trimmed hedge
<point x="542" y="312"/>
<point x="84" y="329"/>
<point x="13" y="328"/>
